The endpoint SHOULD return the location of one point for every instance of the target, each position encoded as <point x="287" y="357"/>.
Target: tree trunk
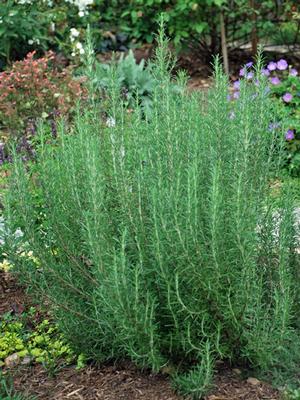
<point x="224" y="43"/>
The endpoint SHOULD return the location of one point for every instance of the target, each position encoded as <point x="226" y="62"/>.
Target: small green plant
<point x="291" y="394"/>
<point x="41" y="342"/>
<point x="7" y="391"/>
<point x="197" y="381"/>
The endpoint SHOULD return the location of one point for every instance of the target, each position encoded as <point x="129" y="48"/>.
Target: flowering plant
<point x="22" y="26"/>
<point x="284" y="87"/>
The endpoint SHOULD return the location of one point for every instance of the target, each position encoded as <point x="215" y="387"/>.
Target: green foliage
<point x="291" y="394"/>
<point x="21" y="24"/>
<point x="161" y="241"/>
<point x="290" y="84"/>
<point x="135" y="80"/>
<point x="60" y="25"/>
<point x="198" y="380"/>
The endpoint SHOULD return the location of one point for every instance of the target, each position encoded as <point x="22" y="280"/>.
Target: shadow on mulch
<point x="115" y="382"/>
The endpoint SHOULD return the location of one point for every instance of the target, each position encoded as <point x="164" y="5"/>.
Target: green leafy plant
<point x="169" y="248"/>
<point x="42" y="343"/>
<point x="135" y="80"/>
<point x="21" y="26"/>
<point x="291" y="394"/>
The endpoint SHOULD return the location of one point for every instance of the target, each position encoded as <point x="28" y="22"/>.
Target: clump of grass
<point x="160" y="241"/>
<point x="7" y="391"/>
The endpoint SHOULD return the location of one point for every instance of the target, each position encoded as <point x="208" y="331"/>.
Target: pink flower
<point x="236" y="84"/>
<point x="272" y="66"/>
<point x="293" y="72"/>
<point x="265" y="72"/>
<point x="275" y="80"/>
<point x="289" y="135"/>
<point x="282" y="65"/>
<point x="287" y="97"/>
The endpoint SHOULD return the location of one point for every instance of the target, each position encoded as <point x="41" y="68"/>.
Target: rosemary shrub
<point x="159" y="239"/>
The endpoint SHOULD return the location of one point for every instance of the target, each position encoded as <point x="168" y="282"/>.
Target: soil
<point x="115" y="382"/>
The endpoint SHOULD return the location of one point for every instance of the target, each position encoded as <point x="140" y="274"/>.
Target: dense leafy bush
<point x="35" y="88"/>
<point x="160" y="239"/>
<point x="21" y="26"/>
<point x="27" y="25"/>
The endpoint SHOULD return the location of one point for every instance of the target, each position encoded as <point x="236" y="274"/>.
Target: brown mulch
<point x="116" y="382"/>
<point x="128" y="383"/>
<point x="12" y="296"/>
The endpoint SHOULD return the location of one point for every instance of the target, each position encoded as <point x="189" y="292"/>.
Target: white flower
<point x="19" y="233"/>
<point x="79" y="47"/>
<point x="83" y="4"/>
<point x="74" y="32"/>
<point x="110" y="122"/>
<point x="81" y="14"/>
<point x="52" y="27"/>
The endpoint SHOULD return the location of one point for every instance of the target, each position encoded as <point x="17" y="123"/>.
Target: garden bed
<point x="115" y="382"/>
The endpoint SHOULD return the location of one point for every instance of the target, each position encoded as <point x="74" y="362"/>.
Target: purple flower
<point x="228" y="97"/>
<point x="287" y="97"/>
<point x="250" y="75"/>
<point x="242" y="72"/>
<point x="265" y="72"/>
<point x="289" y="135"/>
<point x="282" y="65"/>
<point x="275" y="80"/>
<point x="249" y="64"/>
<point x="236" y="95"/>
<point x="293" y="72"/>
<point x="236" y="84"/>
<point x="272" y="66"/>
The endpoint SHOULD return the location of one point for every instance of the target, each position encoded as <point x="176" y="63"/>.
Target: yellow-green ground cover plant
<point x="159" y="239"/>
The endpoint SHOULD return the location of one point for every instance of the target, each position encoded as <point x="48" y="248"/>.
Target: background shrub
<point x="159" y="239"/>
<point x="34" y="88"/>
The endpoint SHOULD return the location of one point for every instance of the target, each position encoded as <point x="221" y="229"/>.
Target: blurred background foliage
<point x="40" y="25"/>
